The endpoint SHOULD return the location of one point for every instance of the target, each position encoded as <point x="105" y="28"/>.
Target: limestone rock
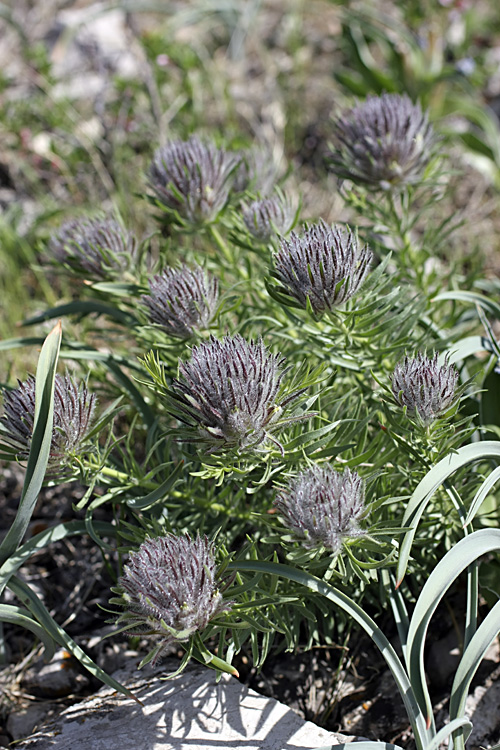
<point x="189" y="712"/>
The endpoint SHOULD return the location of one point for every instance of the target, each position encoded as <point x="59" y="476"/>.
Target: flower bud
<point x="425" y="387"/>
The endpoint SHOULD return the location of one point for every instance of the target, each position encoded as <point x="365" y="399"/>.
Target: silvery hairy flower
<point x="94" y="246"/>
<point x="182" y="300"/>
<point x="229" y="393"/>
<point x="425" y="387"/>
<point x="324" y="265"/>
<point x="267" y="217"/>
<point x="192" y="179"/>
<point x="169" y="588"/>
<point x="322" y="506"/>
<point x="73" y="414"/>
<point x="382" y="143"/>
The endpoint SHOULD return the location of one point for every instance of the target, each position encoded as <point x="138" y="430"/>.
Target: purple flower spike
<point x="182" y="301"/>
<point x="383" y="143"/>
<point x="228" y="394"/>
<point x="192" y="179"/>
<point x="322" y="507"/>
<point x="169" y="589"/>
<point x="324" y="265"/>
<point x="94" y="246"/>
<point x="73" y="415"/>
<point x="425" y="387"/>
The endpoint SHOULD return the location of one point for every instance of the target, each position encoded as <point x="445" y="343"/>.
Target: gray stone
<point x="24" y="720"/>
<point x="191" y="711"/>
<point x="92" y="43"/>
<point x="60" y="677"/>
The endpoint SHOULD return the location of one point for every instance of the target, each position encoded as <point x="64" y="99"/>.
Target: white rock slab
<point x="190" y="712"/>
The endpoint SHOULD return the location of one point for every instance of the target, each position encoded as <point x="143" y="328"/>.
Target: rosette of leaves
<point x="191" y="180"/>
<point x="383" y="143"/>
<point x="322" y="507"/>
<point x="320" y="268"/>
<point x="170" y="590"/>
<point x="230" y="396"/>
<point x="98" y="248"/>
<point x="425" y="388"/>
<point x="182" y="301"/>
<point x="74" y="408"/>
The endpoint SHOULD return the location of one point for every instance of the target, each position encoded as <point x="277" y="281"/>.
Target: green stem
<point x="221" y="244"/>
<point x="150" y="486"/>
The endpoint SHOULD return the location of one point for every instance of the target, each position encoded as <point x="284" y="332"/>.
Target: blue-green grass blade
<point x="18" y="342"/>
<point x="471" y="659"/>
<point x="465" y="552"/>
<point x="414" y="713"/>
<point x="37" y="609"/>
<point x="455" y="725"/>
<point x="120" y="288"/>
<point x="464" y="348"/>
<point x="22" y="617"/>
<point x="430" y="483"/>
<point x="40" y="441"/>
<point x="472" y="298"/>
<point x="398" y="609"/>
<point x="482" y="494"/>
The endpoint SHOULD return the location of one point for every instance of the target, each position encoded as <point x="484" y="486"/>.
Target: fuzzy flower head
<point x="425" y="387"/>
<point x="182" y="301"/>
<point x="229" y="394"/>
<point x="266" y="217"/>
<point x="383" y="143"/>
<point x="323" y="507"/>
<point x="169" y="588"/>
<point x="191" y="179"/>
<point x="95" y="247"/>
<point x="73" y="414"/>
<point x="324" y="265"/>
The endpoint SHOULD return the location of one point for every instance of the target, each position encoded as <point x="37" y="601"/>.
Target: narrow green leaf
<point x="40" y="442"/>
<point x="471" y="659"/>
<point x="473" y="298"/>
<point x="147" y="501"/>
<point x="22" y="617"/>
<point x="134" y="393"/>
<point x="82" y="307"/>
<point x="37" y="609"/>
